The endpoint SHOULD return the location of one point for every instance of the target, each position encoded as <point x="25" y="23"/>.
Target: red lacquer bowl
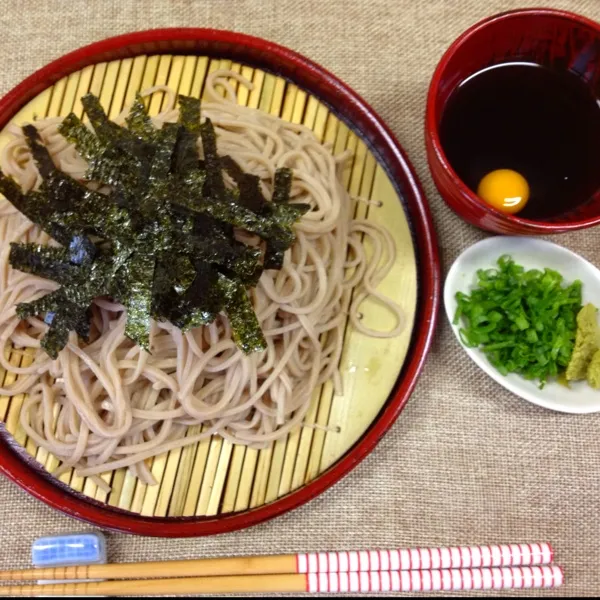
<point x="362" y="119"/>
<point x="548" y="37"/>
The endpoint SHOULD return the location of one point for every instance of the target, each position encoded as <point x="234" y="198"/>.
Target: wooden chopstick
<point x="503" y="555"/>
<point x="370" y="581"/>
<point x="243" y="565"/>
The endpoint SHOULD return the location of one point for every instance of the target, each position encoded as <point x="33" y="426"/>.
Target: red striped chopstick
<point x="458" y="557"/>
<point x="462" y="580"/>
<point x="497" y="578"/>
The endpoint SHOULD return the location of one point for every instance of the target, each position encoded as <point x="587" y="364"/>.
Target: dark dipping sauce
<point x="542" y="123"/>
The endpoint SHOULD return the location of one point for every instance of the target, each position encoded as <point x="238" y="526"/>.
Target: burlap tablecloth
<point x="467" y="462"/>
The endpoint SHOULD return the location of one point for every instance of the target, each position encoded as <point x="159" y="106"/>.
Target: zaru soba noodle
<point x="106" y="403"/>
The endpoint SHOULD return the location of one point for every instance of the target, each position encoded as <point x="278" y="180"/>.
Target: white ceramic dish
<point x="531" y="253"/>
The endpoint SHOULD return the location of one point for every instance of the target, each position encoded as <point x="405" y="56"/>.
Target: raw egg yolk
<point x="505" y="190"/>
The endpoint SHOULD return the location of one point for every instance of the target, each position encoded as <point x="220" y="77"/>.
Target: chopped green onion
<point x="524" y="321"/>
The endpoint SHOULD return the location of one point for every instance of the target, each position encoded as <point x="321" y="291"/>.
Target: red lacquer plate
<point x="391" y="175"/>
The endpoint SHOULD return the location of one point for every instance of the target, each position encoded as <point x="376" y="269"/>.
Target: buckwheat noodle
<point x="107" y="404"/>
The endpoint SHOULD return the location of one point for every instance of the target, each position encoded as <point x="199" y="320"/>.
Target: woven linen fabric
<point x="467" y="462"/>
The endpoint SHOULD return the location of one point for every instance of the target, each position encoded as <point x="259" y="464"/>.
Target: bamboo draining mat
<point x="215" y="476"/>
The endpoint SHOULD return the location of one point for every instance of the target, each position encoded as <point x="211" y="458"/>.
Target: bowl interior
<point x="554" y="39"/>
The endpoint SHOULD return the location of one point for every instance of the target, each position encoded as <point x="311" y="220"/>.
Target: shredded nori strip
<point x="282" y="185"/>
<point x="247" y="333"/>
<point x="250" y="194"/>
<point x="43" y="261"/>
<point x="137" y="279"/>
<point x="138" y="121"/>
<point x="160" y="236"/>
<point x="214" y="185"/>
<point x="185" y="155"/>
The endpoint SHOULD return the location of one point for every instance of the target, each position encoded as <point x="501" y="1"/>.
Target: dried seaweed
<point x="282" y="185"/>
<point x="138" y="121"/>
<point x="185" y="155"/>
<point x="214" y="185"/>
<point x="247" y="333"/>
<point x="250" y="194"/>
<point x="160" y="238"/>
